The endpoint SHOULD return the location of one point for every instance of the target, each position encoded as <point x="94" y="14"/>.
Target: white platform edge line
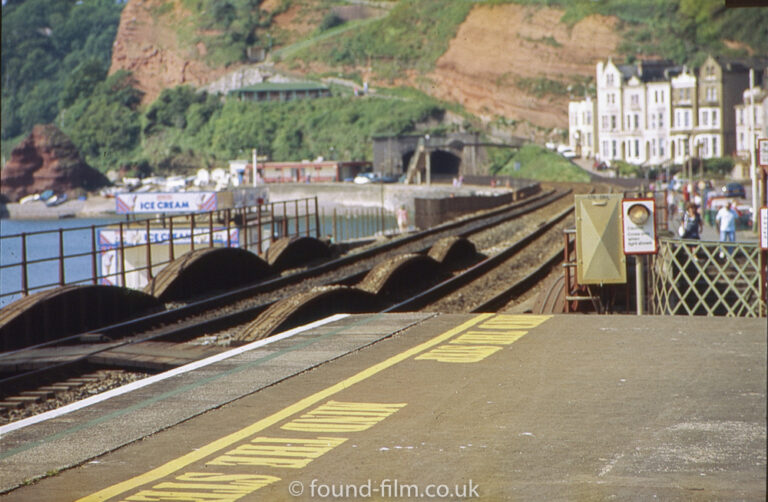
<point x="138" y="384"/>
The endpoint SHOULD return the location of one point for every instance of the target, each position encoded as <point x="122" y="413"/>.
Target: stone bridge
<point x="450" y="155"/>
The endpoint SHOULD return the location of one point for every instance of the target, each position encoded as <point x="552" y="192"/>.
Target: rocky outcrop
<point x="47" y="160"/>
<point x="498" y="46"/>
<point x="148" y="45"/>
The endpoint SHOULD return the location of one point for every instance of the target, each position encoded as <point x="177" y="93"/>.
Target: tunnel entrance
<point x="444" y="164"/>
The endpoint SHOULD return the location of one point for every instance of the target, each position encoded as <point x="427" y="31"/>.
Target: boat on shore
<point x="56" y="200"/>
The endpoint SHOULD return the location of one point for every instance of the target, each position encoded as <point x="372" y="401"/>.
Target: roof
<point x="281" y="86"/>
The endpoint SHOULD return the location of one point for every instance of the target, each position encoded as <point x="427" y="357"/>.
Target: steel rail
<point x="181" y="330"/>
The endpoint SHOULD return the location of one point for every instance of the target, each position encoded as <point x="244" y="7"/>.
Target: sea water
<point x="45" y="246"/>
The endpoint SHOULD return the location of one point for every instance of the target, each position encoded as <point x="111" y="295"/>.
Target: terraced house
<point x="657" y="113"/>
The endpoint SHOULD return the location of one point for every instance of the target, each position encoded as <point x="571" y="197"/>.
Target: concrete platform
<point x="453" y="406"/>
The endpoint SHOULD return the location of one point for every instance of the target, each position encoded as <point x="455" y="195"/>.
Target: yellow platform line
<point x="227" y="441"/>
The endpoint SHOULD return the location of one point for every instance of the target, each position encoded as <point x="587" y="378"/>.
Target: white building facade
<point x="656" y="113"/>
<point x="583" y="127"/>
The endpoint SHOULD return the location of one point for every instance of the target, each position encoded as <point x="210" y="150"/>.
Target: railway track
<point x="146" y="343"/>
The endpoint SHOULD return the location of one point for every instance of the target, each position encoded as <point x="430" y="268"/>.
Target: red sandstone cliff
<point x="46" y="160"/>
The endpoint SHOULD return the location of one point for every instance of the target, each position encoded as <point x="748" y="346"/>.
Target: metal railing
<point x="690" y="277"/>
<point x="253" y="228"/>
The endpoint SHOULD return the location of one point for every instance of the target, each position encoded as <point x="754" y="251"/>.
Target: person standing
<point x="691" y="222"/>
<point x="726" y="219"/>
<point x="402" y="219"/>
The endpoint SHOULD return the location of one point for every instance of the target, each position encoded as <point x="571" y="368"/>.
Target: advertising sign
<point x="109" y="243"/>
<point x="639" y="219"/>
<point x="762" y="152"/>
<point x="173" y="202"/>
<point x="764" y="227"/>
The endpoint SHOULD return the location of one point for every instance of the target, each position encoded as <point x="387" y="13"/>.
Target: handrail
<point x="256" y="218"/>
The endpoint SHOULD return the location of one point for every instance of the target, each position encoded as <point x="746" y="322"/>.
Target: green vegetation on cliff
<point x="56" y="54"/>
<point x="44" y="42"/>
<point x="534" y="162"/>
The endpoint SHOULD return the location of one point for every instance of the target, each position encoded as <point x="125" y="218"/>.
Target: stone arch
<point x="307" y="307"/>
<point x="68" y="310"/>
<point x="204" y="270"/>
<point x="292" y="252"/>
<point x="402" y="275"/>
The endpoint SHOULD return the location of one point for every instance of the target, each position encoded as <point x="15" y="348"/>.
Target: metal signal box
<point x="599" y="242"/>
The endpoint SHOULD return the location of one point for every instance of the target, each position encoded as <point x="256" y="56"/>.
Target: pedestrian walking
<point x="726" y="220"/>
<point x="402" y="219"/>
<point x="691" y="226"/>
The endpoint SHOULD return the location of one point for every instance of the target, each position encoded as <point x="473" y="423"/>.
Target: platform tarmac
<point x="405" y="406"/>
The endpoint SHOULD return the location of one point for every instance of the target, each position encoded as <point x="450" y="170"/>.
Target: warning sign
<point x="639" y="219"/>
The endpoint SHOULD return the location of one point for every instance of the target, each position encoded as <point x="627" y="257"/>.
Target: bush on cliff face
<point x="43" y="41"/>
<point x="106" y="124"/>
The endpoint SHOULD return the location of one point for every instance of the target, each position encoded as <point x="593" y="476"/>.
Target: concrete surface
<point x="505" y="408"/>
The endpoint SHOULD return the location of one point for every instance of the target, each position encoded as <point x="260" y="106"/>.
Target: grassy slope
<point x="538" y="163"/>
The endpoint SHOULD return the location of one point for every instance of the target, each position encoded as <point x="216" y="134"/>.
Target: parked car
<point x="734" y="190"/>
<point x="363" y="178"/>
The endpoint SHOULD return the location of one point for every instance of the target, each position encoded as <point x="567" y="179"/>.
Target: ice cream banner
<point x="109" y="244"/>
<point x="173" y="202"/>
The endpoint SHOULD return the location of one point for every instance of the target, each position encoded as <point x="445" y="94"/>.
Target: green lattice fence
<point x="706" y="278"/>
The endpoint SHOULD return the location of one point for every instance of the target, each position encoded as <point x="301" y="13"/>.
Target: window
<point x="613" y="145"/>
<point x="609" y="79"/>
<point x="711" y="93"/>
<point x="605" y="122"/>
<point x="714" y="147"/>
<point x="637" y="148"/>
<point x="653" y="147"/>
<point x="687" y="118"/>
<point x="714" y="118"/>
<point x="656" y="96"/>
<point x="613" y="122"/>
<point x="637" y="121"/>
<point x="589" y="139"/>
<point x="634" y="99"/>
<point x="661" y="120"/>
<point x="704" y="118"/>
<point x="661" y="147"/>
<point x="653" y="121"/>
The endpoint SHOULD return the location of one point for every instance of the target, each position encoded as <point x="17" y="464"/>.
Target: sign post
<point x="639" y="229"/>
<point x="762" y="161"/>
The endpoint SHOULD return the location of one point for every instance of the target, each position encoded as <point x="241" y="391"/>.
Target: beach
<point x="93" y="206"/>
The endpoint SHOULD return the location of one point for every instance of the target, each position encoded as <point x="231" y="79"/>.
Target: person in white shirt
<point x="726" y="219"/>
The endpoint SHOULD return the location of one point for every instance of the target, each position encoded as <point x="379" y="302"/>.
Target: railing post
<point x="94" y="272"/>
<point x="210" y="229"/>
<point x="24" y="276"/>
<point x="149" y="253"/>
<point x="567" y="269"/>
<point x="306" y="216"/>
<point x="226" y="224"/>
<point x="259" y="229"/>
<point x="171" y="255"/>
<point x="296" y="213"/>
<point x="245" y="227"/>
<point x="317" y="220"/>
<point x="61" y="257"/>
<point x="335" y="239"/>
<point x="192" y="233"/>
<point x="285" y="219"/>
<point x="121" y="247"/>
<point x="271" y="223"/>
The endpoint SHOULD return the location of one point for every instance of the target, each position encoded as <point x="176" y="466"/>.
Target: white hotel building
<point x="655" y="113"/>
